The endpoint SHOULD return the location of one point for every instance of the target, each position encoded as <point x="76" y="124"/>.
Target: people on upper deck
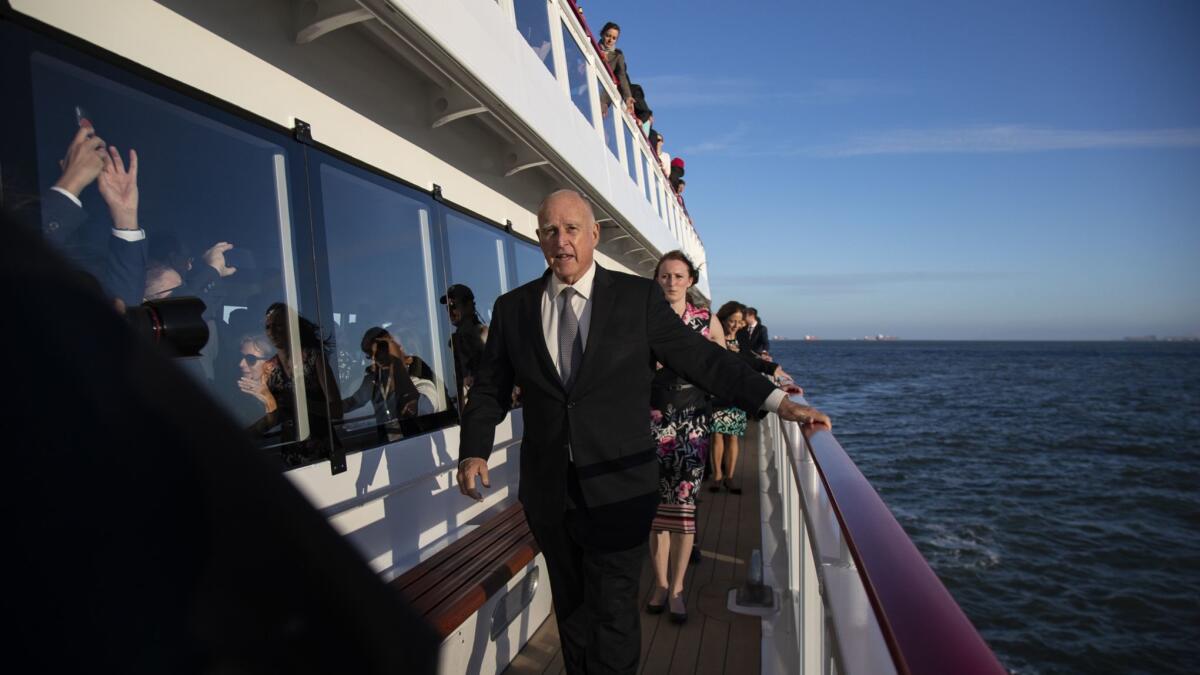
<point x="615" y="59"/>
<point x="656" y="146"/>
<point x="753" y="336"/>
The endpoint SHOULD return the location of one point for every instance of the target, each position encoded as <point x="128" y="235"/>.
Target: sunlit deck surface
<point x="714" y="640"/>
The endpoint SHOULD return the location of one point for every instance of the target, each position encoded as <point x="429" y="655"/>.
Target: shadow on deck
<point x="714" y="640"/>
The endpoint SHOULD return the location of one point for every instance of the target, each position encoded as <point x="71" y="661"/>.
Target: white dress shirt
<point x="581" y="302"/>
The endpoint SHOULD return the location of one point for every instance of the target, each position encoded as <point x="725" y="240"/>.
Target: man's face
<point x="568" y="235"/>
<point x="454" y="308"/>
<point x="751" y="319"/>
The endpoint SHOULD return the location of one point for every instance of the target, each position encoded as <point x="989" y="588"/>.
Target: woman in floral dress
<point x="679" y="419"/>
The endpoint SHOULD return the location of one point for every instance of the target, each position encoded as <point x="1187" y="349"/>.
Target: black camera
<point x="177" y="324"/>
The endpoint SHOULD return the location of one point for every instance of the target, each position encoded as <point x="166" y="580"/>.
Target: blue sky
<point x="951" y="170"/>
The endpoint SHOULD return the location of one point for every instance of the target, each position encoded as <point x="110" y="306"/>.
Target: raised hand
<point x="119" y="188"/>
<point x="84" y="161"/>
<point x="215" y="258"/>
<point x="257" y="387"/>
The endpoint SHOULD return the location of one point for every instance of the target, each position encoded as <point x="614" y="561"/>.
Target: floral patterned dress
<point x="679" y="420"/>
<point x="729" y="419"/>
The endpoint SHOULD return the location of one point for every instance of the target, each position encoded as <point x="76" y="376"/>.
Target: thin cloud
<point x="1008" y="138"/>
<point x="853" y="282"/>
<point x="722" y="143"/>
<point x="692" y="91"/>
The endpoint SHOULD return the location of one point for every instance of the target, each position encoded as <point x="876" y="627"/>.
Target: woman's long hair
<point x="310" y="333"/>
<point x="729" y="309"/>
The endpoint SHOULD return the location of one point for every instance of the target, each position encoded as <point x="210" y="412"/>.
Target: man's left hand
<point x="808" y="416"/>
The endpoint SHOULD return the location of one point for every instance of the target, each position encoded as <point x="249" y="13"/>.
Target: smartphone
<point x="82" y="118"/>
<point x="241" y="258"/>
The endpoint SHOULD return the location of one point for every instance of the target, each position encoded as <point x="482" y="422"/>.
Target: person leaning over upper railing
<point x="656" y="146"/>
<point x="615" y="59"/>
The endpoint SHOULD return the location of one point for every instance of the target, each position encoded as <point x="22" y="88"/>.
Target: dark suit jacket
<point x="754" y="340"/>
<point x="605" y="417"/>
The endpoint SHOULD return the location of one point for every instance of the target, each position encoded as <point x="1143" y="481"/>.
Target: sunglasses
<point x="251" y="359"/>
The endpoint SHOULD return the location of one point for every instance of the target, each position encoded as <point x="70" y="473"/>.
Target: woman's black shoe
<point x="652" y="608"/>
<point x="733" y="488"/>
<point x="678" y="617"/>
<point x="715" y="487"/>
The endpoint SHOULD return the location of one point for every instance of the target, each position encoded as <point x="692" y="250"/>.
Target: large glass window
<point x="528" y="261"/>
<point x="390" y="367"/>
<point x="630" y="155"/>
<point x="192" y="203"/>
<point x="534" y="24"/>
<point x="577" y="74"/>
<point x="658" y="193"/>
<point x="612" y="121"/>
<point x="649" y="179"/>
<point x="476" y="274"/>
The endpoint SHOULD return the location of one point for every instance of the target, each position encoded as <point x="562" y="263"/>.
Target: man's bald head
<point x="568" y="234"/>
<point x="568" y="197"/>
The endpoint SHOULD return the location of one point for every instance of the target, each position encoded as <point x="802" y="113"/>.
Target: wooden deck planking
<point x="713" y="640"/>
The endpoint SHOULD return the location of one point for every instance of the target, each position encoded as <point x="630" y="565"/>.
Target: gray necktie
<point x="570" y="342"/>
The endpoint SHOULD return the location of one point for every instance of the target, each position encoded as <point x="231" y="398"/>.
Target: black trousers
<point x="595" y="598"/>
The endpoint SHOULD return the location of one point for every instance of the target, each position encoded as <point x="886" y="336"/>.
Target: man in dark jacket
<point x="753" y="338"/>
<point x="581" y="342"/>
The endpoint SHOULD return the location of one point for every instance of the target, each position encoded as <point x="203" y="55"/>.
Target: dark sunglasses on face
<point x="252" y="359"/>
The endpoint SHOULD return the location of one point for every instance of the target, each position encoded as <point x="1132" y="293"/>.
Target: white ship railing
<point x="853" y="594"/>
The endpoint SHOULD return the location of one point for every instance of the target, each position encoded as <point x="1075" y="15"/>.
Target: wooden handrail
<point x="925" y="629"/>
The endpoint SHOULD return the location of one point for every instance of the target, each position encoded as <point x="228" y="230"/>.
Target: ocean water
<point x="1053" y="486"/>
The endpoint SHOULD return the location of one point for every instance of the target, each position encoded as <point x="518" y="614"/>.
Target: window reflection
<point x="299" y="347"/>
<point x="530" y="262"/>
<point x="577" y="74"/>
<point x="646" y="184"/>
<point x="190" y="204"/>
<point x="658" y="194"/>
<point x="477" y="270"/>
<point x="630" y="155"/>
<point x="533" y="22"/>
<point x="380" y="284"/>
<point x="611" y="121"/>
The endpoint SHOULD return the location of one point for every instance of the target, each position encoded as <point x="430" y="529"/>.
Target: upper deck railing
<point x="570" y="113"/>
<point x="857" y="592"/>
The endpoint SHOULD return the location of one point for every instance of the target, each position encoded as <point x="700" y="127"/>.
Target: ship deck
<point x="714" y="640"/>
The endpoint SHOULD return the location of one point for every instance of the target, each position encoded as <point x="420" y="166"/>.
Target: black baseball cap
<point x="458" y="293"/>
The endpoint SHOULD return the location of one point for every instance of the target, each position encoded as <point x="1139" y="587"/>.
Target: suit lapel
<point x="531" y="321"/>
<point x="602" y="306"/>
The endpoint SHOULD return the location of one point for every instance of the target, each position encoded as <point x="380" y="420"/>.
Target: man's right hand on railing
<point x="805" y="415"/>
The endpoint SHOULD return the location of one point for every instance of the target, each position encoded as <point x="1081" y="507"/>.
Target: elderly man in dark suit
<point x="582" y="343"/>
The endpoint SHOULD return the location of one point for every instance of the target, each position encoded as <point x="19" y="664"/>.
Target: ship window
<point x="646" y="173"/>
<point x="612" y="121"/>
<point x="386" y="322"/>
<point x="658" y="193"/>
<point x="476" y="260"/>
<point x="214" y="201"/>
<point x="630" y="155"/>
<point x="528" y="261"/>
<point x="533" y="22"/>
<point x="577" y="74"/>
